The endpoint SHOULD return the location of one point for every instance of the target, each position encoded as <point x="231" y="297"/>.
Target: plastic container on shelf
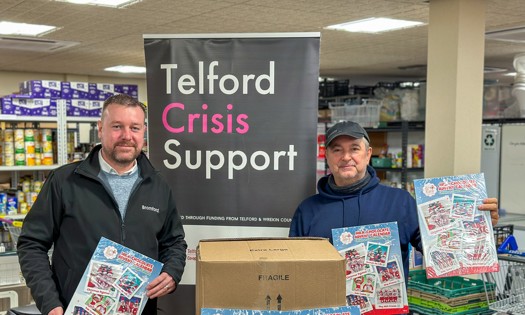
<point x="367" y="114"/>
<point x="337" y="111"/>
<point x="14" y="228"/>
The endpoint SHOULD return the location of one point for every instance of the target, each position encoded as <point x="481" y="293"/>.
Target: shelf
<point x="384" y="126"/>
<point x="504" y="121"/>
<point x="14" y="217"/>
<point x="15" y="118"/>
<point x="28" y="168"/>
<point x="72" y="119"/>
<point x="391" y="126"/>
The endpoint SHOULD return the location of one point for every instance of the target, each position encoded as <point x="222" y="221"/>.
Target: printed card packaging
<point x="269" y="274"/>
<point x="374" y="268"/>
<point x="343" y="310"/>
<point x="114" y="282"/>
<point x="457" y="237"/>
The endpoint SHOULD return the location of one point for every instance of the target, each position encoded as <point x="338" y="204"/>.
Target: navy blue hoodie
<point x="375" y="203"/>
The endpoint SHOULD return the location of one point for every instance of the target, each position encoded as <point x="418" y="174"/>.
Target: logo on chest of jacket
<point x="150" y="208"/>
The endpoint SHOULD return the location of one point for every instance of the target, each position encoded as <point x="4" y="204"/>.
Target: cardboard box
<point x="83" y="108"/>
<point x="75" y="90"/>
<point x="101" y="91"/>
<point x="6" y="102"/>
<point x="24" y="105"/>
<point x="269" y="274"/>
<point x="41" y="88"/>
<point x="129" y="89"/>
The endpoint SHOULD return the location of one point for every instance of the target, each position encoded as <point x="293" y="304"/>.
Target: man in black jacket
<point x="115" y="193"/>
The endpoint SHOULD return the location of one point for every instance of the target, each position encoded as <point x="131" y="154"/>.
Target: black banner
<point x="232" y="122"/>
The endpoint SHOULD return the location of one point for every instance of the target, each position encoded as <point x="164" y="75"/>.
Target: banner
<point x="232" y="125"/>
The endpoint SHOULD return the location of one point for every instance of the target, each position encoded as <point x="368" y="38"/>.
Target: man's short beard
<point x="113" y="155"/>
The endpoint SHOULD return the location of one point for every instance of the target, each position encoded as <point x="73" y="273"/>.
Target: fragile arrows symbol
<point x="268" y="301"/>
<point x="279" y="299"/>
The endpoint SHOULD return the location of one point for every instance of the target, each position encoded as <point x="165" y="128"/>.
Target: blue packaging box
<point x="41" y="88"/>
<point x="101" y="91"/>
<point x="75" y="90"/>
<point x="83" y="108"/>
<point x="23" y="105"/>
<point x="129" y="89"/>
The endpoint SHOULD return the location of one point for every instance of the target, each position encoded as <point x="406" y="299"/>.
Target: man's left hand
<point x="161" y="286"/>
<point x="491" y="204"/>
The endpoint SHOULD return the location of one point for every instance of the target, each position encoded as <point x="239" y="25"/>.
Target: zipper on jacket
<point x="123" y="230"/>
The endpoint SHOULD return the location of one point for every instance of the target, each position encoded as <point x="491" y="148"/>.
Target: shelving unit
<point x="404" y="127"/>
<point x="61" y="122"/>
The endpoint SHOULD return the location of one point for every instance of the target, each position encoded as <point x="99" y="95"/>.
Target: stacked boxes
<point x="447" y="296"/>
<point x="129" y="89"/>
<point x="82" y="107"/>
<point x="75" y="90"/>
<point x="83" y="99"/>
<point x="41" y="88"/>
<point x="27" y="106"/>
<point x="101" y="91"/>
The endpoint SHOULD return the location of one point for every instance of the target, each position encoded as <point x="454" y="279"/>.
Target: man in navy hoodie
<point x="352" y="195"/>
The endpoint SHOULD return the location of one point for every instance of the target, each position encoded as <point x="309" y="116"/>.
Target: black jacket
<point x="74" y="209"/>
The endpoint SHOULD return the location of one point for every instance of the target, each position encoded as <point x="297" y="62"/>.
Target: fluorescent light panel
<point x="374" y="25"/>
<point x="24" y="29"/>
<point x="126" y="69"/>
<point x="105" y="3"/>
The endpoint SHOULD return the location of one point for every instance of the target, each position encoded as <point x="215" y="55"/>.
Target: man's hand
<point x="161" y="286"/>
<point x="57" y="311"/>
<point x="491" y="204"/>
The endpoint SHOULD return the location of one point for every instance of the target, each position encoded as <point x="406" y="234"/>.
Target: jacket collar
<point x="91" y="165"/>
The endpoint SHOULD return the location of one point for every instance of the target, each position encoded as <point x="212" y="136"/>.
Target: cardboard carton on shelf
<point x="269" y="274"/>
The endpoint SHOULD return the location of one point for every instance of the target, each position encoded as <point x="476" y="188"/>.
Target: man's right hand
<point x="57" y="311"/>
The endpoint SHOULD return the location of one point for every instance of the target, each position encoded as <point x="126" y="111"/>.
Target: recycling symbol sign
<point x="489" y="141"/>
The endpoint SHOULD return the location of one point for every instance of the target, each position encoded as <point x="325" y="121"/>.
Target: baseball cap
<point x="345" y="128"/>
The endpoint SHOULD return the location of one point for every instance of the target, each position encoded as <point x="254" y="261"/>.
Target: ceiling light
<point x="105" y="3"/>
<point x="374" y="25"/>
<point x="24" y="29"/>
<point x="127" y="69"/>
<point x="510" y="74"/>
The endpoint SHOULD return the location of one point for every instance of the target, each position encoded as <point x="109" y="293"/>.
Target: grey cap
<point x="345" y="128"/>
